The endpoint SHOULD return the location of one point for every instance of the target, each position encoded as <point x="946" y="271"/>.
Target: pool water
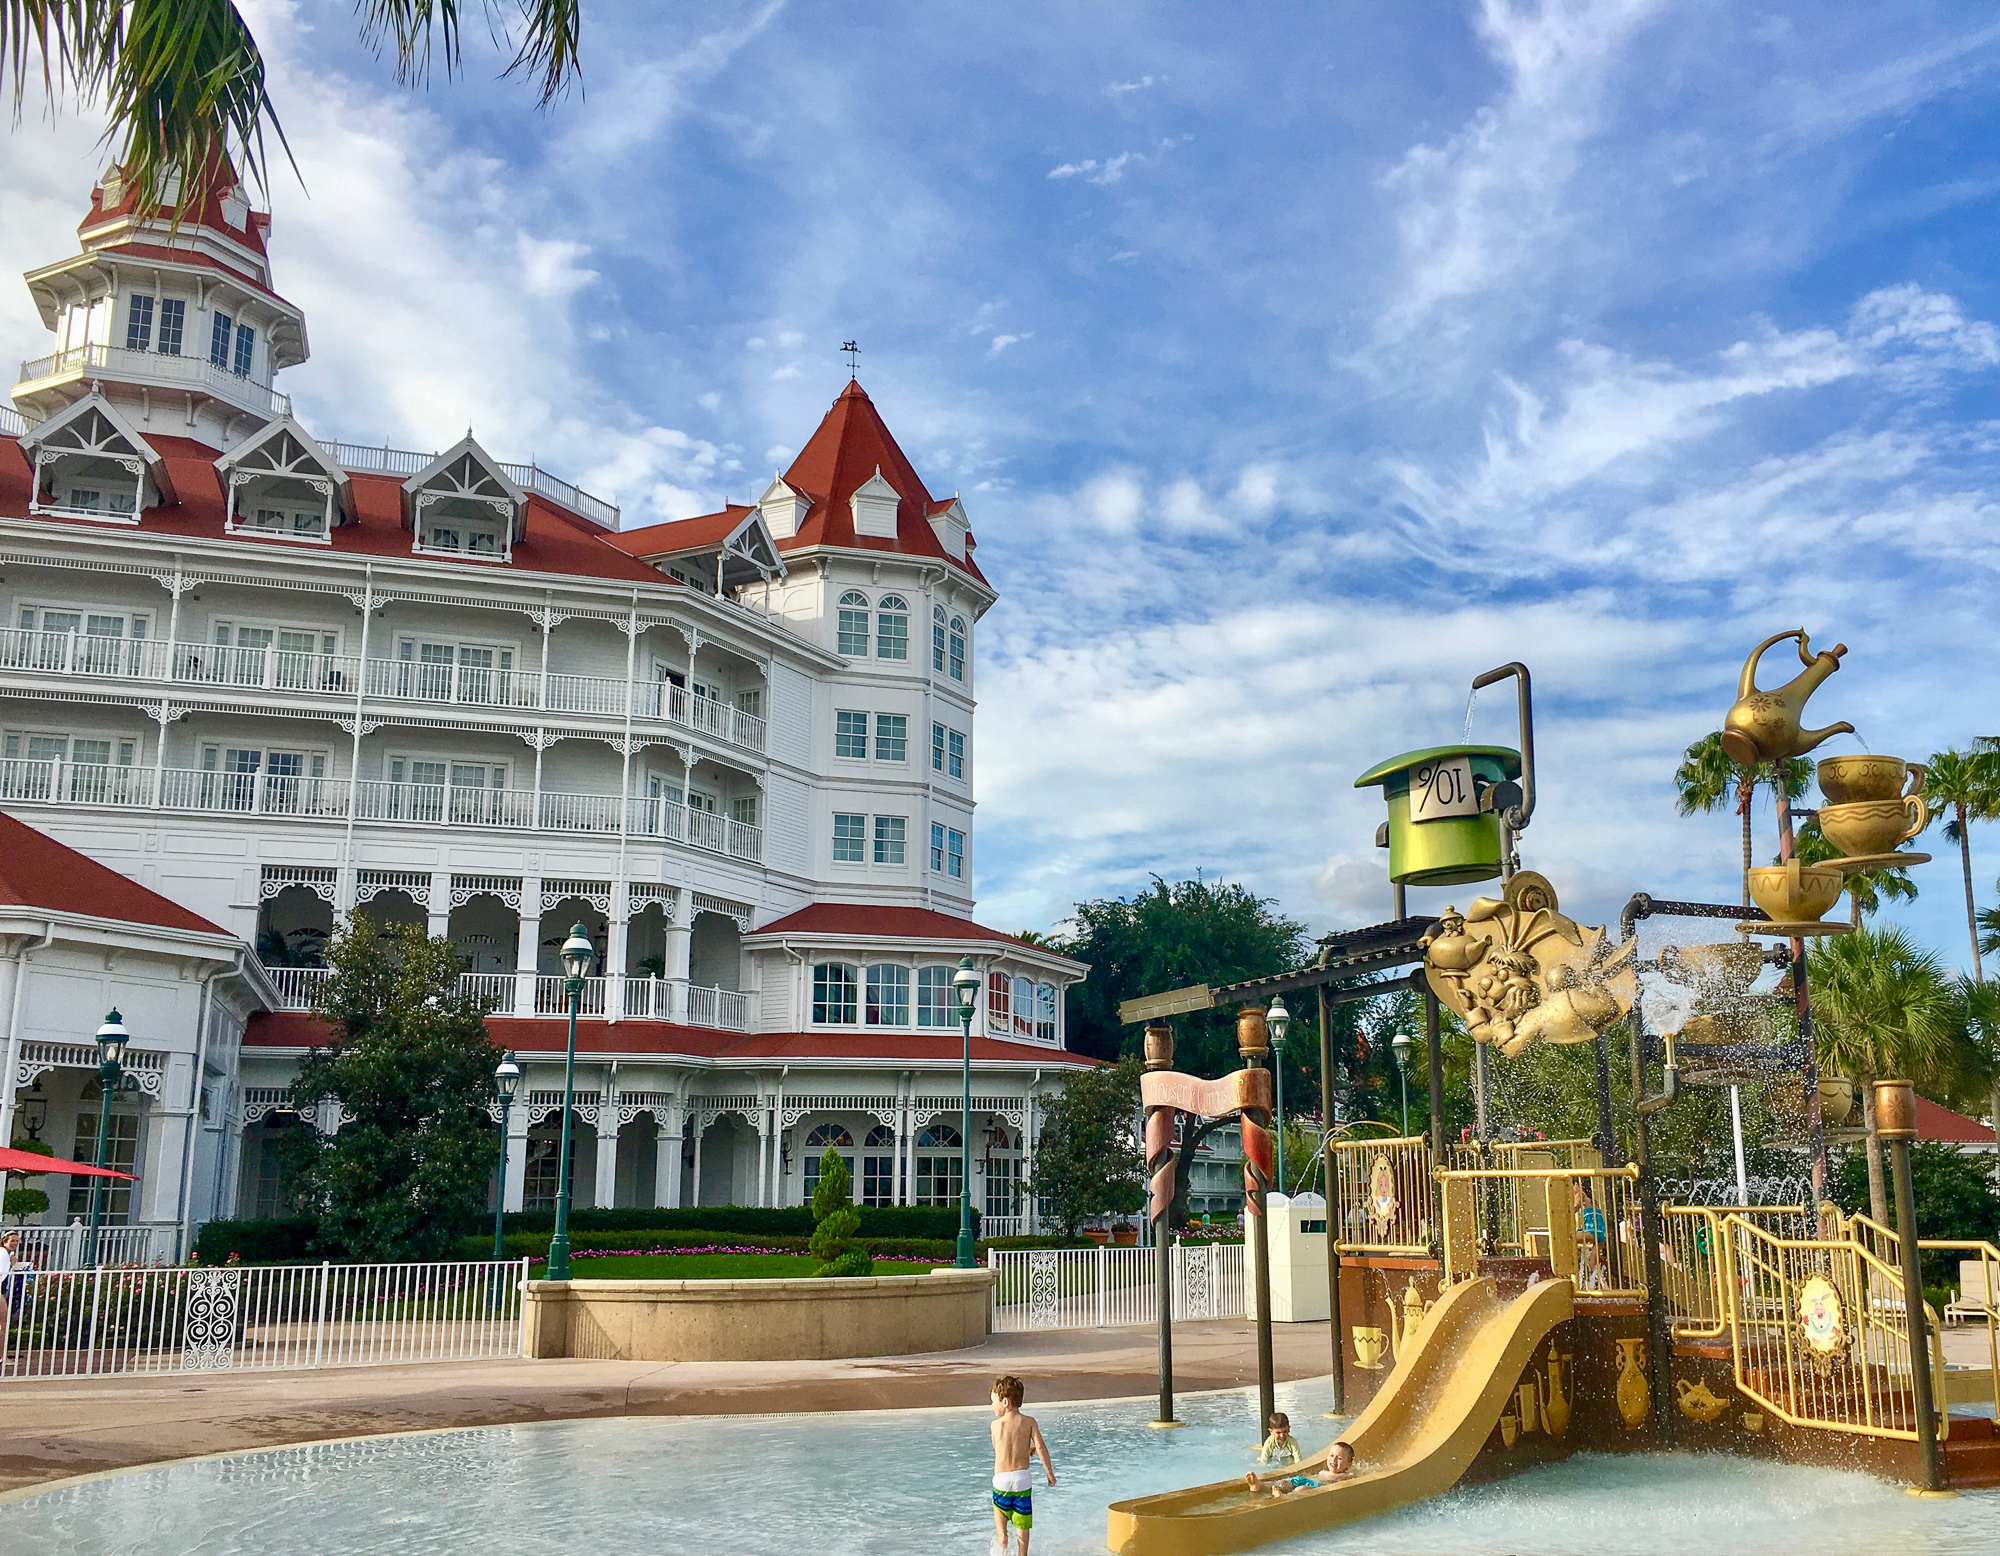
<point x="877" y="1483"/>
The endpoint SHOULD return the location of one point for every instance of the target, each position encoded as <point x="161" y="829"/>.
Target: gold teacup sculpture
<point x="1872" y="828"/>
<point x="1794" y="897"/>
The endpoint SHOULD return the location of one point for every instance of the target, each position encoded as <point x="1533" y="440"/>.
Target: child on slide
<point x="1281" y="1444"/>
<point x="1016" y="1441"/>
<point x="1339" y="1465"/>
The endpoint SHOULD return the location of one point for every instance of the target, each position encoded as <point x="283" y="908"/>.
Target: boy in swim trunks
<point x="1016" y="1441"/>
<point x="1339" y="1465"/>
<point x="1281" y="1444"/>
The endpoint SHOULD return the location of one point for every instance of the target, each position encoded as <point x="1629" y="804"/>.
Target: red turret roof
<point x="204" y="211"/>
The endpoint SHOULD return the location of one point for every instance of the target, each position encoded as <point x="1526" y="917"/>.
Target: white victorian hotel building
<point x="270" y="677"/>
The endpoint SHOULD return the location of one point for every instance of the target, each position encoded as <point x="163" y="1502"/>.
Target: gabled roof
<point x="867" y="920"/>
<point x="465" y="470"/>
<point x="1936" y="1122"/>
<point x="92" y="425"/>
<point x="38" y="872"/>
<point x="737" y="534"/>
<point x="846" y="452"/>
<point x="272" y="458"/>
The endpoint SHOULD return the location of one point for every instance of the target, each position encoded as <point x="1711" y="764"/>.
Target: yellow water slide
<point x="1434" y="1411"/>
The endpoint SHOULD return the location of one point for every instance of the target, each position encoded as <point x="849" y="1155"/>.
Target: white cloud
<point x="1121" y="88"/>
<point x="1091" y="171"/>
<point x="1000" y="343"/>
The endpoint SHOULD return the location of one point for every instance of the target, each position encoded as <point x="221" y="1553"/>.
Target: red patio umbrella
<point x="28" y="1164"/>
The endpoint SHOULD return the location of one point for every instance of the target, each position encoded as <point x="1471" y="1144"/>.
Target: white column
<point x="764" y="1148"/>
<point x="678" y="956"/>
<point x="906" y="1154"/>
<point x="440" y="904"/>
<point x="667" y="1162"/>
<point x="529" y="948"/>
<point x="617" y="941"/>
<point x="515" y="1188"/>
<point x="607" y="1156"/>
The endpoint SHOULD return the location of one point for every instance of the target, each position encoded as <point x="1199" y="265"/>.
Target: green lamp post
<point x="111" y="1040"/>
<point x="506" y="1076"/>
<point x="965" y="989"/>
<point x="576" y="957"/>
<point x="1279" y="1020"/>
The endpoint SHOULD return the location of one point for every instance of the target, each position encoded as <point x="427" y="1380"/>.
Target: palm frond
<point x="551" y="31"/>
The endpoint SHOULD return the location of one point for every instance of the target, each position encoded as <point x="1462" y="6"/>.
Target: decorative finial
<point x="853" y="351"/>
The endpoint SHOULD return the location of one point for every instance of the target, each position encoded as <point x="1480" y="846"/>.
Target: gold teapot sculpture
<point x="1765" y="726"/>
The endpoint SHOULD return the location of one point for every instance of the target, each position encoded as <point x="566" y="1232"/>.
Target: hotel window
<point x="121" y="1150"/>
<point x="246" y="339"/>
<point x="853" y="636"/>
<point x="940" y="1168"/>
<point x="1024" y="1007"/>
<point x="892" y="628"/>
<point x="954" y="854"/>
<point x="888" y="997"/>
<point x="744" y="811"/>
<point x="218" y="340"/>
<point x="835" y="991"/>
<point x="850" y="736"/>
<point x="878" y="1169"/>
<point x="173" y="321"/>
<point x="935" y="1006"/>
<point x="892" y="737"/>
<point x="999" y="1002"/>
<point x="751" y="702"/>
<point x="850" y="839"/>
<point x="954" y="753"/>
<point x="139" y="324"/>
<point x="937" y="638"/>
<point x="1045" y="1012"/>
<point x="1003" y="1185"/>
<point x="958" y="648"/>
<point x="822" y="1138"/>
<point x="889" y="839"/>
<point x="937" y="848"/>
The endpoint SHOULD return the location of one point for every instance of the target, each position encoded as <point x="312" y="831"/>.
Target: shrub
<point x="764" y="1223"/>
<point x="291" y="1240"/>
<point x="833" y="1237"/>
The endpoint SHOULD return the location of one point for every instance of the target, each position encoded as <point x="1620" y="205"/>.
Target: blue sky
<point x="1296" y="364"/>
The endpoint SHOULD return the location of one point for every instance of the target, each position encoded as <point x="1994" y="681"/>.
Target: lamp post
<point x="965" y="988"/>
<point x="1400" y="1045"/>
<point x="506" y="1075"/>
<point x="111" y="1040"/>
<point x="576" y="956"/>
<point x="1279" y="1020"/>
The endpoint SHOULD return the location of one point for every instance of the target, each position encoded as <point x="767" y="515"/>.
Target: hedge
<point x="534" y="1245"/>
<point x="292" y="1240"/>
<point x="791" y="1221"/>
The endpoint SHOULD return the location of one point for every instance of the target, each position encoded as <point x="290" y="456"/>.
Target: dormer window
<point x="90" y="463"/>
<point x="283" y="486"/>
<point x="874" y="504"/>
<point x="463" y="505"/>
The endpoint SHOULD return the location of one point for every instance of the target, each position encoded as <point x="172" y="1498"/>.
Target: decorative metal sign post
<point x="1244" y="1095"/>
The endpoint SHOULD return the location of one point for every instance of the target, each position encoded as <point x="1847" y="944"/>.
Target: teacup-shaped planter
<point x="1847" y="780"/>
<point x="1792" y="893"/>
<point x="1865" y="827"/>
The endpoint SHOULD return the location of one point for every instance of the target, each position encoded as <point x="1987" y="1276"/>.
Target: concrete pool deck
<point x="51" y="1428"/>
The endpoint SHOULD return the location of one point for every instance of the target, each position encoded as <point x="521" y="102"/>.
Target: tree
<point x="1167" y="937"/>
<point x="1976" y="1012"/>
<point x="1708" y="778"/>
<point x="182" y="81"/>
<point x="411" y="1067"/>
<point x="1953" y="1201"/>
<point x="1089" y="1160"/>
<point x="835" y="1221"/>
<point x="1882" y="1007"/>
<point x="1969" y="783"/>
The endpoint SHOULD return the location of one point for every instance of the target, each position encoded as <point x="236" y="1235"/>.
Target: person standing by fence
<point x="11" y="1281"/>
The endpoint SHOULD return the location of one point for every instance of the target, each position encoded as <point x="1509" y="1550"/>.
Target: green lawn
<point x="711" y="1266"/>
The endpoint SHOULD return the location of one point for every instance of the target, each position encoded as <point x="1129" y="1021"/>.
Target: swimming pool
<point x="900" y="1483"/>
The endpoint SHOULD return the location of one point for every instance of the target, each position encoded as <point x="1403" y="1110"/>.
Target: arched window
<point x="853" y="633"/>
<point x="822" y="1137"/>
<point x="892" y="628"/>
<point x="878" y="1166"/>
<point x="836" y="994"/>
<point x="999" y="1003"/>
<point x="958" y="648"/>
<point x="940" y="1167"/>
<point x="1024" y="1007"/>
<point x="1045" y="1012"/>
<point x="937" y="638"/>
<point x="888" y="1002"/>
<point x="935" y="1006"/>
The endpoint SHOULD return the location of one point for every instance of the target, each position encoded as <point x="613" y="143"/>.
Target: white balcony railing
<point x="723" y="1009"/>
<point x="646" y="999"/>
<point x="296" y="986"/>
<point x="675" y="999"/>
<point x="49" y="782"/>
<point x="154" y="367"/>
<point x="493" y="990"/>
<point x="552" y="995"/>
<point x="67" y="654"/>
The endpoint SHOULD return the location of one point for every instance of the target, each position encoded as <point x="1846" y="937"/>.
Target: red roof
<point x="205" y="212"/>
<point x="293" y="1029"/>
<point x="556" y="541"/>
<point x="710" y="529"/>
<point x="863" y="918"/>
<point x="38" y="872"/>
<point x="850" y="445"/>
<point x="1935" y="1122"/>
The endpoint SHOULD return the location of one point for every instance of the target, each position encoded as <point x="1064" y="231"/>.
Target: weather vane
<point x="853" y="351"/>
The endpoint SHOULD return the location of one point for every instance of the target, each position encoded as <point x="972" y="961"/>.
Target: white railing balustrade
<point x="579" y="813"/>
<point x="253" y="794"/>
<point x="1098" y="1288"/>
<point x="83" y="1323"/>
<point x="237" y="388"/>
<point x="724" y="1010"/>
<point x="493" y="990"/>
<point x="76" y="653"/>
<point x="484" y="686"/>
<point x="552" y="995"/>
<point x="656" y="818"/>
<point x="296" y="986"/>
<point x="586" y="694"/>
<point x="264" y="669"/>
<point x="68" y="1247"/>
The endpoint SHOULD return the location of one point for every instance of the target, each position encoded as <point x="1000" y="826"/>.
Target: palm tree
<point x="1866" y="891"/>
<point x="1969" y="783"/>
<point x="182" y="81"/>
<point x="1709" y="778"/>
<point x="1882" y="1006"/>
<point x="1976" y="1010"/>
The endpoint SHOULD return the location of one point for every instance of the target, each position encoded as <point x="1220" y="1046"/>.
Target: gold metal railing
<point x="1584" y="1221"/>
<point x="1382" y="1195"/>
<point x="1697" y="1273"/>
<point x="1464" y="1155"/>
<point x="1820" y="1329"/>
<point x="1985" y="1296"/>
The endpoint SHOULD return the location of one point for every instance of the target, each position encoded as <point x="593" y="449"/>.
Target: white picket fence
<point x="1097" y="1288"/>
<point x="85" y="1323"/>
